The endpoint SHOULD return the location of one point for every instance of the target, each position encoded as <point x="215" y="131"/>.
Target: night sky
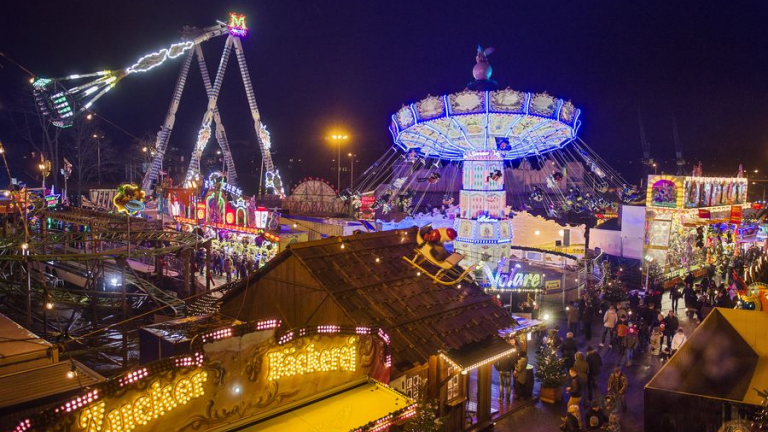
<point x="351" y="64"/>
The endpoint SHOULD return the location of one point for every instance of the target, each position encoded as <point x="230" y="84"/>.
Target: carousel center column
<point x="484" y="231"/>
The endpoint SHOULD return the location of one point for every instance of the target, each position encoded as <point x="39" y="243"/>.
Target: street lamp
<point x="338" y="139"/>
<point x="351" y="170"/>
<point x="45" y="168"/>
<point x="98" y="155"/>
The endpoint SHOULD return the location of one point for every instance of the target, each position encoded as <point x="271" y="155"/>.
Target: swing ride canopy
<point x="518" y="124"/>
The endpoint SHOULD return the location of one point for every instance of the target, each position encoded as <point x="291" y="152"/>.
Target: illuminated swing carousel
<point x="503" y="150"/>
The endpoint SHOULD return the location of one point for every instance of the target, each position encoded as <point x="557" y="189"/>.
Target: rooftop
<point x="367" y="279"/>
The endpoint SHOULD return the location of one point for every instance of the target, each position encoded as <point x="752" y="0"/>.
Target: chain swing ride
<point x="62" y="104"/>
<point x="504" y="150"/>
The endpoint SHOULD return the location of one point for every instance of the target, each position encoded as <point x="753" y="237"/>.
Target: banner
<point x="704" y="214"/>
<point x="735" y="215"/>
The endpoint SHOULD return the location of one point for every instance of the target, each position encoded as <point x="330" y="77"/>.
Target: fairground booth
<point x="693" y="222"/>
<point x="445" y="335"/>
<point x="715" y="379"/>
<point x="213" y="375"/>
<point x="237" y="225"/>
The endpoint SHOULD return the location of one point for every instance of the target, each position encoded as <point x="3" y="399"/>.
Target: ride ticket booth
<point x="255" y="376"/>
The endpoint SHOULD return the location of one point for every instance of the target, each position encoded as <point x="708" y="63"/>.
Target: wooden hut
<point x="440" y="334"/>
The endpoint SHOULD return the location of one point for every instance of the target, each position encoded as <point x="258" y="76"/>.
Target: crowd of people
<point x="234" y="256"/>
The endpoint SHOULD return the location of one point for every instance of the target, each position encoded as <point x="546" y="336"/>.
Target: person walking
<point x="568" y="350"/>
<point x="678" y="340"/>
<point x="609" y="322"/>
<point x="574" y="388"/>
<point x="581" y="367"/>
<point x="572" y="313"/>
<point x="631" y="343"/>
<point x="617" y="385"/>
<point x="587" y="315"/>
<point x="674" y="295"/>
<point x="504" y="366"/>
<point x="521" y="377"/>
<point x="595" y="363"/>
<point x="621" y="334"/>
<point x="228" y="269"/>
<point x="671" y="324"/>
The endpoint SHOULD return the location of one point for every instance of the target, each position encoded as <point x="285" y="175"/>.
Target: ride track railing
<point x="172" y="241"/>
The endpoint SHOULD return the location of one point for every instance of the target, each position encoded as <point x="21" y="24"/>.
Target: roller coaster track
<point x="172" y="241"/>
<point x="42" y="248"/>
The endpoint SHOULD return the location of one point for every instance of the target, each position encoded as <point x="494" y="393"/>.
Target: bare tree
<point x="92" y="155"/>
<point x="35" y="129"/>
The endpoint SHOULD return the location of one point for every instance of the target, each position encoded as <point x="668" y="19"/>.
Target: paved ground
<point x="546" y="417"/>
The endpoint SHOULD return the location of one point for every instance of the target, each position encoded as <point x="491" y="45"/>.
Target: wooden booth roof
<point x="726" y="357"/>
<point x="363" y="280"/>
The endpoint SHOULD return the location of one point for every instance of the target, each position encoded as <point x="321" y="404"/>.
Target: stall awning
<point x="363" y="407"/>
<point x="476" y="354"/>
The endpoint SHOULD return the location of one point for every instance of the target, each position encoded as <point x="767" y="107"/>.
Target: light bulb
<point x="49" y="305"/>
<point x="71" y="374"/>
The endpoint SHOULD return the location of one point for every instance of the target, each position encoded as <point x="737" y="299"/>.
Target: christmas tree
<point x="426" y="418"/>
<point x="550" y="367"/>
<point x="614" y="292"/>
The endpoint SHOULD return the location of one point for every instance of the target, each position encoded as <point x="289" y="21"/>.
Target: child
<point x="665" y="354"/>
<point x="621" y="333"/>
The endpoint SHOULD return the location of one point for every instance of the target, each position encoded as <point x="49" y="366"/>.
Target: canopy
<point x="353" y="409"/>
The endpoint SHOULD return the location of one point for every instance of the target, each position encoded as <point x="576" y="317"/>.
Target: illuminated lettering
<point x="290" y="362"/>
<point x="236" y="25"/>
<point x="154" y="403"/>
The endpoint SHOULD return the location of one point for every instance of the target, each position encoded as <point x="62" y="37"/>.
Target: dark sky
<point x="316" y="64"/>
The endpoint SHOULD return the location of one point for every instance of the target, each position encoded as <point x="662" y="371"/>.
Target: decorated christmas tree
<point x="550" y="367"/>
<point x="614" y="292"/>
<point x="426" y="418"/>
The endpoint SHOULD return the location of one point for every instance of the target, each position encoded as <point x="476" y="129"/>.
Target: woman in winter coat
<point x="582" y="369"/>
<point x="655" y="341"/>
<point x="678" y="340"/>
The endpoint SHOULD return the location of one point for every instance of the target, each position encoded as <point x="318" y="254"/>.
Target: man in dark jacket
<point x="568" y="350"/>
<point x="587" y="316"/>
<point x="574" y="388"/>
<point x="595" y="362"/>
<point x="505" y="365"/>
<point x="671" y="324"/>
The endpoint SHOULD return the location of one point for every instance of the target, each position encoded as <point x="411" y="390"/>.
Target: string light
<point x="49" y="305"/>
<point x="149" y="405"/>
<point x="300" y="361"/>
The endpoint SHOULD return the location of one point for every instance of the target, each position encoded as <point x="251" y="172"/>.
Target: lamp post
<point x="351" y="170"/>
<point x="338" y="139"/>
<point x="45" y="169"/>
<point x="98" y="156"/>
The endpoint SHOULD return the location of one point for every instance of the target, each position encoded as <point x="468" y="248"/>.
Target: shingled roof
<point x="370" y="283"/>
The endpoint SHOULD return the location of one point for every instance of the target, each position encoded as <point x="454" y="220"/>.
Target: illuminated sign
<point x="227" y="187"/>
<point x="512" y="278"/>
<point x="308" y="359"/>
<point x="261" y="217"/>
<point x="52" y="199"/>
<point x="157" y="401"/>
<point x="236" y="25"/>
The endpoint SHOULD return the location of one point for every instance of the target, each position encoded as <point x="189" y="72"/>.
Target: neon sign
<point x="299" y="361"/>
<point x="236" y="25"/>
<point x="513" y="278"/>
<point x="157" y="401"/>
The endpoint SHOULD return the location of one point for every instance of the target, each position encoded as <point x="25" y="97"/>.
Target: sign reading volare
<point x="155" y="402"/>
